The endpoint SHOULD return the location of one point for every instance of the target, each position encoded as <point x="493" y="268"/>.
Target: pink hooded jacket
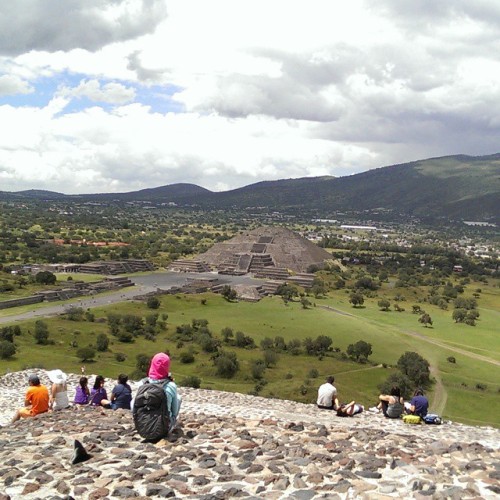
<point x="160" y="366"/>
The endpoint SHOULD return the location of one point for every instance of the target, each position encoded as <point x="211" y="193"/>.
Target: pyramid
<point x="265" y="248"/>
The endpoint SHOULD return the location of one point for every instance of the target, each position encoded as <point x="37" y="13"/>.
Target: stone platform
<point x="238" y="446"/>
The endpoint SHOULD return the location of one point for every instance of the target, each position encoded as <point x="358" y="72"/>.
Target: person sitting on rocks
<point x="121" y="395"/>
<point x="349" y="409"/>
<point x="36" y="399"/>
<point x="98" y="393"/>
<point x="327" y="395"/>
<point x="418" y="405"/>
<point x="392" y="404"/>
<point x="82" y="392"/>
<point x="59" y="390"/>
<point x="159" y="373"/>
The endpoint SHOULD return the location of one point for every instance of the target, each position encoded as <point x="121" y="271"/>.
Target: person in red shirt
<point x="36" y="399"/>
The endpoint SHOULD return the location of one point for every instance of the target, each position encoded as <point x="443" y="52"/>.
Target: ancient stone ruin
<point x="270" y="252"/>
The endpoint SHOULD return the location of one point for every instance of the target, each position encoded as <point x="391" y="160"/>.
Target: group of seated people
<point x="40" y="399"/>
<point x="392" y="405"/>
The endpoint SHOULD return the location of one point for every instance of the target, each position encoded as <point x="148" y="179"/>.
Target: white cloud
<point x="12" y="85"/>
<point x="112" y="93"/>
<point x="227" y="93"/>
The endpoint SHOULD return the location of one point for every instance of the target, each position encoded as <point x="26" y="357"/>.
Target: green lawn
<point x="291" y="378"/>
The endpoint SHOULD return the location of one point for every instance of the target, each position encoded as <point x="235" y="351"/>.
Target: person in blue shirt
<point x="419" y="405"/>
<point x="121" y="395"/>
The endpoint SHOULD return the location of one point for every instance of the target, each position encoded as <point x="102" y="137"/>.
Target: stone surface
<point x="238" y="446"/>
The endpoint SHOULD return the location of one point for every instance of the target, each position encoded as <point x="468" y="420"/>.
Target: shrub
<point x="153" y="302"/>
<point x="120" y="357"/>
<point x="257" y="369"/>
<point x="313" y="373"/>
<point x="86" y="353"/>
<point x="481" y="387"/>
<point x="451" y="359"/>
<point x="384" y="304"/>
<point x="142" y="363"/>
<point x="270" y="358"/>
<point x="7" y="349"/>
<point x="186" y="357"/>
<point x="41" y="332"/>
<point x="102" y="342"/>
<point x="227" y="364"/>
<point x="191" y="381"/>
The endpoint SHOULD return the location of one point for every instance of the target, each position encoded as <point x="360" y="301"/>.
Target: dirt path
<point x="440" y="396"/>
<point x="469" y="354"/>
<point x="338" y="311"/>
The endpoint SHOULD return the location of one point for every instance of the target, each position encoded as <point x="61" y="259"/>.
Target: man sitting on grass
<point x="36" y="399"/>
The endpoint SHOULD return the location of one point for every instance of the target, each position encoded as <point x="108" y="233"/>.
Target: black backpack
<point x="151" y="417"/>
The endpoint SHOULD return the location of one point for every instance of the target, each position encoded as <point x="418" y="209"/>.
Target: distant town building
<point x="359" y="228"/>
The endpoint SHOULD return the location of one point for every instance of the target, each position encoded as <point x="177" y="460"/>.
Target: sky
<point x="121" y="95"/>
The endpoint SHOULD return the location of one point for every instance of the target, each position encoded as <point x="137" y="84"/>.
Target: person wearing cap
<point x="159" y="373"/>
<point x="59" y="390"/>
<point x="36" y="399"/>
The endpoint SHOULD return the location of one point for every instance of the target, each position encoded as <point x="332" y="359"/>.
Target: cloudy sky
<point x="120" y="95"/>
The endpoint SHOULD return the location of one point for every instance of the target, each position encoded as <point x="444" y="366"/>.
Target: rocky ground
<point x="238" y="446"/>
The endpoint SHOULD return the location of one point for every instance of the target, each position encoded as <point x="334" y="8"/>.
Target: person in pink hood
<point x="159" y="373"/>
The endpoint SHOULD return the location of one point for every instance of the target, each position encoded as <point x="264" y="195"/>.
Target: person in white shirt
<point x="327" y="395"/>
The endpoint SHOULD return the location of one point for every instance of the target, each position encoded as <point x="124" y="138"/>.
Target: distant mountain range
<point x="458" y="187"/>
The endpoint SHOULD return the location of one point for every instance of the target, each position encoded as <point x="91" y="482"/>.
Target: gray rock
<point x="158" y="490"/>
<point x="124" y="492"/>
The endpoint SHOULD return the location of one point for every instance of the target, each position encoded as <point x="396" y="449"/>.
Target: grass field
<point x="470" y="387"/>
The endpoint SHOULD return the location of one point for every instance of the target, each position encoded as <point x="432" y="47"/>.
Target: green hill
<point x="459" y="187"/>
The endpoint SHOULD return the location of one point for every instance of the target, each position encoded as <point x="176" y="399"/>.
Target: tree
<point x="226" y="364"/>
<point x="45" y="278"/>
<point x="86" y="353"/>
<point x="142" y="362"/>
<point x="293" y="347"/>
<point x="270" y="358"/>
<point x="7" y="349"/>
<point x="227" y="334"/>
<point x="102" y="342"/>
<point x="153" y="302"/>
<point x="74" y="313"/>
<point x="360" y="350"/>
<point x="400" y="380"/>
<point x="459" y="315"/>
<point x="356" y="299"/>
<point x="242" y="340"/>
<point x="367" y="283"/>
<point x="41" y="333"/>
<point x="229" y="293"/>
<point x="384" y="304"/>
<point x="257" y="368"/>
<point x="306" y="303"/>
<point x="425" y="319"/>
<point x="287" y="292"/>
<point x="415" y="367"/>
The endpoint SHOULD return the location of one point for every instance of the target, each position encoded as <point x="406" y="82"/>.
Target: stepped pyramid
<point x="265" y="248"/>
